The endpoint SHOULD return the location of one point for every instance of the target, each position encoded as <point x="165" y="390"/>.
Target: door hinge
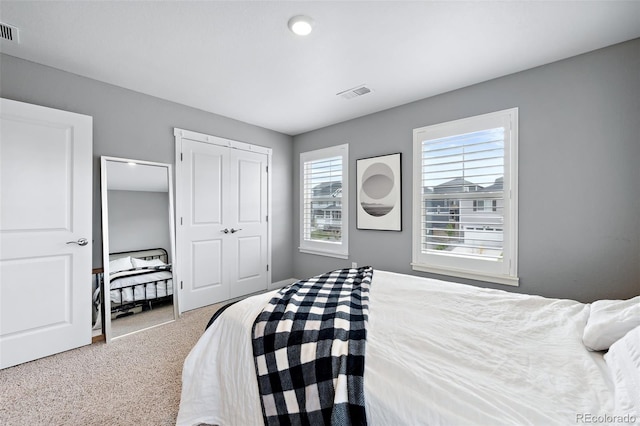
<point x="180" y="156"/>
<point x="181" y="285"/>
<point x="267" y="169"/>
<point x="267" y="218"/>
<point x="267" y="267"/>
<point x="181" y="220"/>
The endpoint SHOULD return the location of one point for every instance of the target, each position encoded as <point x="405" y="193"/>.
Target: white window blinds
<point x="465" y="219"/>
<point x="323" y="197"/>
<point x="462" y="178"/>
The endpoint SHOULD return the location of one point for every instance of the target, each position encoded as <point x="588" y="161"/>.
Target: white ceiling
<point x="238" y="58"/>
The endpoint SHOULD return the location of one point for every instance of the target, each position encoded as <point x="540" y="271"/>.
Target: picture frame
<point x="379" y="192"/>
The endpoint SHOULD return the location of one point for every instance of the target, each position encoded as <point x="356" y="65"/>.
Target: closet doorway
<point x="222" y="209"/>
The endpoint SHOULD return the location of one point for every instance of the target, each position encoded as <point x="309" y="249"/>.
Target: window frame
<point x="326" y="248"/>
<point x="501" y="272"/>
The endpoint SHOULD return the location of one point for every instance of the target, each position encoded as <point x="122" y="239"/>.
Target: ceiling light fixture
<point x="301" y="25"/>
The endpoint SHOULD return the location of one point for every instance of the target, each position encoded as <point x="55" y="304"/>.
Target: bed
<point x="444" y="353"/>
<point x="137" y="279"/>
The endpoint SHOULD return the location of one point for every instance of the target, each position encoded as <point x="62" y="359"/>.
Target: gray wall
<point x="579" y="151"/>
<point x="132" y="125"/>
<point x="138" y="220"/>
<point x="579" y="173"/>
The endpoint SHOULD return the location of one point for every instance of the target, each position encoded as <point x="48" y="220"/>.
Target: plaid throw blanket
<point x="309" y="346"/>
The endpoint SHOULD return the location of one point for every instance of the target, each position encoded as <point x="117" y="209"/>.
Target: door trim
<point x="216" y="140"/>
<point x="181" y="134"/>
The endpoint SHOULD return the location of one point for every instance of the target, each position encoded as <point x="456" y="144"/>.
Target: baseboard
<point x="283" y="283"/>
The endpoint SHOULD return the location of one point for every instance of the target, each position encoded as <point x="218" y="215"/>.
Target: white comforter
<point x="437" y="353"/>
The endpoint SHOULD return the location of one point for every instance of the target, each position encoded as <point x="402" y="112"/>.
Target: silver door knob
<point x="225" y="230"/>
<point x="233" y="231"/>
<point x="80" y="242"/>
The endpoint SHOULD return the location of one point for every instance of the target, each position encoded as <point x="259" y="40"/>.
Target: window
<point x="324" y="197"/>
<point x="485" y="205"/>
<point x="469" y="165"/>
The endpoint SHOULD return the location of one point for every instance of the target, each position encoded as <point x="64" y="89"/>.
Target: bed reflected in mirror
<point x="138" y="246"/>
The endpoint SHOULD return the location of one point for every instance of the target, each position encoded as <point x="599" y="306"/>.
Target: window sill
<point x="498" y="279"/>
<point x="324" y="253"/>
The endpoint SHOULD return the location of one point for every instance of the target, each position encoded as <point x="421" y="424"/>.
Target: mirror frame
<point x="106" y="301"/>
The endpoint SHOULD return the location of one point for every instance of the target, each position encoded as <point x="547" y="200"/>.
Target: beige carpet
<point x="135" y="380"/>
<point x="142" y="320"/>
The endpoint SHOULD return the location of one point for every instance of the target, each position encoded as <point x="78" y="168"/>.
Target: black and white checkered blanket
<point x="309" y="347"/>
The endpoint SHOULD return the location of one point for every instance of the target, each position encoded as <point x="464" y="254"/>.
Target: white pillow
<point x="623" y="360"/>
<point x="609" y="320"/>
<point x="120" y="264"/>
<point x="142" y="263"/>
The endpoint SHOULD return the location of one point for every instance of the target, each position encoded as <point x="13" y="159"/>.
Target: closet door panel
<point x="202" y="243"/>
<point x="249" y="248"/>
<point x="207" y="253"/>
<point x="249" y="191"/>
<point x="207" y="188"/>
<point x="223" y="229"/>
<point x="248" y="199"/>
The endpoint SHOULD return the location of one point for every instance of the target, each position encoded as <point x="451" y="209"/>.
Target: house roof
<point x="457" y="185"/>
<point x="329" y="207"/>
<point x="498" y="185"/>
<point x="328" y="188"/>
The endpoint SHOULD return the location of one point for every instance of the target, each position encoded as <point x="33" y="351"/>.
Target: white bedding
<point x="437" y="353"/>
<point x="128" y="278"/>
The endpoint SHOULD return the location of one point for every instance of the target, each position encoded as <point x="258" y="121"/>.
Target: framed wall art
<point x="379" y="193"/>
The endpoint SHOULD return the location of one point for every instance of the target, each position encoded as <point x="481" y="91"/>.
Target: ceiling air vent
<point x="9" y="33"/>
<point x="354" y="92"/>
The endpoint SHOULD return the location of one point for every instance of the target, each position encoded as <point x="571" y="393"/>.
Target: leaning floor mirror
<point x="138" y="246"/>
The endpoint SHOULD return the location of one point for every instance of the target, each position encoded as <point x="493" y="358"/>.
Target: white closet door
<point x="45" y="231"/>
<point x="201" y="237"/>
<point x="248" y="215"/>
<point x="222" y="232"/>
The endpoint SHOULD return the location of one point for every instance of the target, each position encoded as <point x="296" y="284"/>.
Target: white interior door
<point x="201" y="240"/>
<point x="222" y="220"/>
<point x="248" y="218"/>
<point x="45" y="231"/>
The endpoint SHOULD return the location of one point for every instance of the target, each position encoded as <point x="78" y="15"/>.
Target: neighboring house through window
<point x="324" y="201"/>
<point x="465" y="199"/>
